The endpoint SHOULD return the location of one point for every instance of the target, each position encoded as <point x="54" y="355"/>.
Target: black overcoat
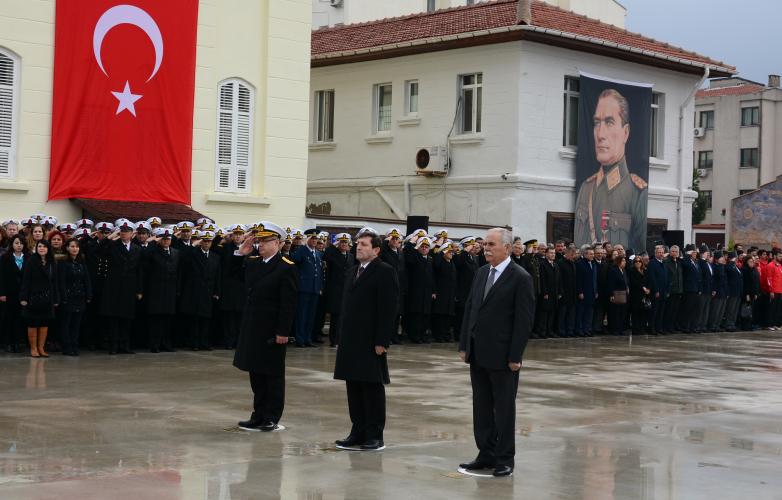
<point x="10" y="281"/>
<point x="368" y="319"/>
<point x="75" y="286"/>
<point x="549" y="285"/>
<point x="396" y="259"/>
<point x="232" y="295"/>
<point x="420" y="281"/>
<point x="466" y="267"/>
<point x="163" y="283"/>
<point x="336" y="267"/>
<point x="124" y="279"/>
<point x="38" y="281"/>
<point x="444" y="286"/>
<point x="200" y="282"/>
<point x="272" y="291"/>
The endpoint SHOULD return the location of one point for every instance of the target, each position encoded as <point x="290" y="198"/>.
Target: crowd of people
<point x="124" y="285"/>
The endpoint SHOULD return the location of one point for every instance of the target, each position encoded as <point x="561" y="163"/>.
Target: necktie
<point x="358" y="274"/>
<point x="489" y="282"/>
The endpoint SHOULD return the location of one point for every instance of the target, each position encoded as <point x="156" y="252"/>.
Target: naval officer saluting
<point x="271" y="283"/>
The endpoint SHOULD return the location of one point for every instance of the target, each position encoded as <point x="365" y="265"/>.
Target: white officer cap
<point x="82" y="233"/>
<point x="126" y="225"/>
<point x="155" y="222"/>
<point x="144" y="225"/>
<point x="366" y="230"/>
<point x="49" y="221"/>
<point x="185" y="225"/>
<point x="393" y="233"/>
<point x="84" y="223"/>
<point x="164" y="232"/>
<point x="105" y="227"/>
<point x="207" y="235"/>
<point x="423" y="241"/>
<point x="342" y="237"/>
<point x="264" y="229"/>
<point x="10" y="221"/>
<point x="204" y="220"/>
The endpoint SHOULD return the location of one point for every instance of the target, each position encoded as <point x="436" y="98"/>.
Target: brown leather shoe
<point x="32" y="337"/>
<point x="42" y="343"/>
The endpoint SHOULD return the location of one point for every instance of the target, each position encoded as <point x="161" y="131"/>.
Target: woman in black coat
<point x="639" y="290"/>
<point x="444" y="291"/>
<point x="73" y="279"/>
<point x="420" y="283"/>
<point x="11" y="265"/>
<point x="616" y="282"/>
<point x="39" y="296"/>
<point x="750" y="291"/>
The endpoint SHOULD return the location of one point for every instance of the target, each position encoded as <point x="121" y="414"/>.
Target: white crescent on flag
<point x="128" y="14"/>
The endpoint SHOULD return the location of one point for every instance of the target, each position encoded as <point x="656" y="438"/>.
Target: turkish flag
<point x="122" y="118"/>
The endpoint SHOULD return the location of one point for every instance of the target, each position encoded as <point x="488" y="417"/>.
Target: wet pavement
<point x="678" y="417"/>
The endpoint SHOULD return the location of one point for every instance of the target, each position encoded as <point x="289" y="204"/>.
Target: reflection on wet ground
<point x="681" y="417"/>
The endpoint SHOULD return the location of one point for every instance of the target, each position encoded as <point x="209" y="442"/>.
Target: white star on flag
<point x="126" y="100"/>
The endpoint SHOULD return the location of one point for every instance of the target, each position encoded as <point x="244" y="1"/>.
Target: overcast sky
<point x="743" y="33"/>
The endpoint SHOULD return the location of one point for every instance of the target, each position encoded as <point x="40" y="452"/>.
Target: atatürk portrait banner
<point x="612" y="166"/>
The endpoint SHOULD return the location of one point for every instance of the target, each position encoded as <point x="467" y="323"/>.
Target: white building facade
<point x="512" y="161"/>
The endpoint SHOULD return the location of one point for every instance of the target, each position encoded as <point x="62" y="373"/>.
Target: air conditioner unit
<point x="703" y="172"/>
<point x="699" y="132"/>
<point x="336" y="3"/>
<point x="431" y="160"/>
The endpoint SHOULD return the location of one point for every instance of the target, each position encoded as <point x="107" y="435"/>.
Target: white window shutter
<point x="7" y="82"/>
<point x="234" y="141"/>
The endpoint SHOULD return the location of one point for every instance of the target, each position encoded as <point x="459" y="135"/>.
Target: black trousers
<point x="416" y="327"/>
<point x="657" y="319"/>
<point x="199" y="332"/>
<point x="458" y="319"/>
<point x="334" y="329"/>
<point x="760" y="313"/>
<point x="599" y="316"/>
<point x="367" y="407"/>
<point x="494" y="413"/>
<point x="268" y="397"/>
<point x="232" y="321"/>
<point x="617" y="318"/>
<point x="775" y="310"/>
<point x="689" y="312"/>
<point x="672" y="305"/>
<point x="566" y="319"/>
<point x="70" y="328"/>
<point x="119" y="334"/>
<point x="441" y="327"/>
<point x="160" y="331"/>
<point x="545" y="317"/>
<point x="320" y="318"/>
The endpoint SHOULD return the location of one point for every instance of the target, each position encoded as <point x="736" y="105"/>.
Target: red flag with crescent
<point x="122" y="112"/>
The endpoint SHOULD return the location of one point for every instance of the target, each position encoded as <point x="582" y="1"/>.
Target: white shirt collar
<point x="500" y="267"/>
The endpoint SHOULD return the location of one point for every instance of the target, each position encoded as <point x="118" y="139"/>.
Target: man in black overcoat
<point x="497" y="324"/>
<point x="391" y="254"/>
<point x="232" y="296"/>
<point x="338" y="260"/>
<point x="547" y="298"/>
<point x="420" y="280"/>
<point x="369" y="308"/>
<point x="162" y="289"/>
<point x="271" y="284"/>
<point x="200" y="288"/>
<point x="123" y="287"/>
<point x="466" y="263"/>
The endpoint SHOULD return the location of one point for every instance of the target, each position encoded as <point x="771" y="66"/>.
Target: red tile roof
<point x="111" y="210"/>
<point x="485" y="16"/>
<point x="732" y="90"/>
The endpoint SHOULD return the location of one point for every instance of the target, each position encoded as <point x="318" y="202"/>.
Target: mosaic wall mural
<point x="756" y="217"/>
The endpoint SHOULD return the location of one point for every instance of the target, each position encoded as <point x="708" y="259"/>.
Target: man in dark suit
<point x="271" y="283"/>
<point x="547" y="298"/>
<point x="497" y="324"/>
<point x="123" y="287"/>
<point x="369" y="308"/>
<point x="707" y="287"/>
<point x="586" y="289"/>
<point x="338" y="260"/>
<point x="689" y="314"/>
<point x="310" y="264"/>
<point x="660" y="287"/>
<point x="566" y="284"/>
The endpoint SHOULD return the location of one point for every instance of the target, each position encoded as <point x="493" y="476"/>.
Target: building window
<point x="234" y="136"/>
<point x="706" y="119"/>
<point x="411" y="98"/>
<point x="658" y="125"/>
<point x="9" y="102"/>
<point x="570" y="122"/>
<point x="324" y="116"/>
<point x="749" y="157"/>
<point x="707" y="199"/>
<point x="705" y="159"/>
<point x="382" y="107"/>
<point x="742" y="192"/>
<point x="750" y="117"/>
<point x="472" y="101"/>
<point x="431" y="5"/>
<point x="470" y="2"/>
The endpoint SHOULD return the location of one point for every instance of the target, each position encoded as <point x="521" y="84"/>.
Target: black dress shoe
<point x="373" y="444"/>
<point x="349" y="442"/>
<point x="269" y="426"/>
<point x="476" y="465"/>
<point x="112" y="353"/>
<point x="251" y="425"/>
<point x="503" y="471"/>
